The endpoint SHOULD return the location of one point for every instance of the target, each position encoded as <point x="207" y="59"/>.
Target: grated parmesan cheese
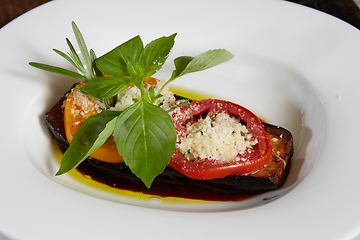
<point x="85" y="106"/>
<point x="221" y="138"/>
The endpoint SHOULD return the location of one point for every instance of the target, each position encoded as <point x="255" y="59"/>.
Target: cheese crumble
<point x="221" y="138"/>
<point x="85" y="106"/>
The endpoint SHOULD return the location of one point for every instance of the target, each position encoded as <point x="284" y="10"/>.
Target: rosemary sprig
<point x="84" y="73"/>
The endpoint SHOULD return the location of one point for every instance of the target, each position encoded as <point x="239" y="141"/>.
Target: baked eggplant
<point x="172" y="183"/>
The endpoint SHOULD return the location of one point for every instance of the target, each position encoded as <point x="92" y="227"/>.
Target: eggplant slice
<point x="170" y="183"/>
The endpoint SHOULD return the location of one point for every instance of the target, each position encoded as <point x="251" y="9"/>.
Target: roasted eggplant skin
<point x="171" y="183"/>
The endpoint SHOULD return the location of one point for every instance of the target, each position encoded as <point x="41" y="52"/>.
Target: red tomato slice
<point x="207" y="168"/>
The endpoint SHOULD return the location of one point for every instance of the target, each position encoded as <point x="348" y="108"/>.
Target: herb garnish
<point x="144" y="133"/>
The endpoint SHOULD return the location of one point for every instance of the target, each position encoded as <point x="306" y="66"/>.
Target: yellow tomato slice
<point x="78" y="107"/>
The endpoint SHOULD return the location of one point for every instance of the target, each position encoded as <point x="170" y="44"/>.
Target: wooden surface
<point x="346" y="10"/>
<point x="343" y="9"/>
<point x="10" y="9"/>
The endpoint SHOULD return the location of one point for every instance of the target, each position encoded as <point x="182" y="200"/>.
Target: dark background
<point x="346" y="10"/>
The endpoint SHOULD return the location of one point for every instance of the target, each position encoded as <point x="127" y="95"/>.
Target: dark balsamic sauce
<point x="170" y="184"/>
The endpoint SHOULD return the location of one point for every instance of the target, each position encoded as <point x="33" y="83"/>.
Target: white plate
<point x="293" y="66"/>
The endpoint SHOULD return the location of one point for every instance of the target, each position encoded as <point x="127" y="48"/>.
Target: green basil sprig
<point x="144" y="133"/>
<point x="145" y="137"/>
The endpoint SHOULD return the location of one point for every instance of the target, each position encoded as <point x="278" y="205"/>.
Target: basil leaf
<point x="201" y="62"/>
<point x="145" y="137"/>
<point x="187" y="64"/>
<point x="151" y="93"/>
<point x="155" y="54"/>
<point x="180" y="65"/>
<point x="134" y="67"/>
<point x="115" y="62"/>
<point x="58" y="70"/>
<point x="105" y="87"/>
<point x="91" y="135"/>
<point x="138" y="81"/>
